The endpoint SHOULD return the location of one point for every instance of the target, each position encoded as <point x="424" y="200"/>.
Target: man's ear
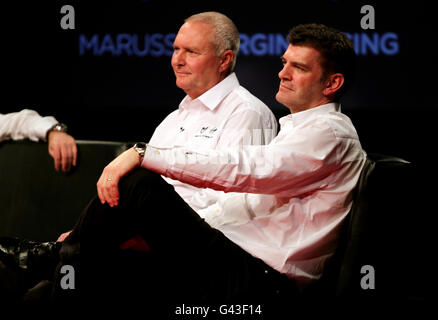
<point x="333" y="83"/>
<point x="226" y="60"/>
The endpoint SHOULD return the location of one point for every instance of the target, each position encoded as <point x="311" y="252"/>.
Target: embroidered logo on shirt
<point x="203" y="129"/>
<point x="203" y="134"/>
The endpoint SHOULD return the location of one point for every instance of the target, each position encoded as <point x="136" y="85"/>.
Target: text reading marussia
<point x="258" y="44"/>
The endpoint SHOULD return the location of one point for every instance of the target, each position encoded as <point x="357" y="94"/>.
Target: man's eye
<point x="299" y="67"/>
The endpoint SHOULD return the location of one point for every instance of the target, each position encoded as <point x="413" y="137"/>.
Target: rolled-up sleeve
<point x="25" y="124"/>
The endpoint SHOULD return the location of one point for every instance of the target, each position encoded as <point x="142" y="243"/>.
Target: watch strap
<point x="140" y="147"/>
<point x="59" y="127"/>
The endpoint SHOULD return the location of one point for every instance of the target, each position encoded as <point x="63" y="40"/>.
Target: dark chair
<point x="39" y="203"/>
<point x="381" y="242"/>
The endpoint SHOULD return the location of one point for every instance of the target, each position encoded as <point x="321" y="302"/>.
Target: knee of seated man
<point x="141" y="182"/>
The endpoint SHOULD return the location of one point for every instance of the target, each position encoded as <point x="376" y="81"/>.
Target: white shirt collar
<point x="301" y="116"/>
<point x="212" y="97"/>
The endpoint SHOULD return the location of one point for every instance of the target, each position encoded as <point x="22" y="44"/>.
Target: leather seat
<point x="385" y="233"/>
<point x="39" y="203"/>
<point x="372" y="234"/>
<point x="381" y="241"/>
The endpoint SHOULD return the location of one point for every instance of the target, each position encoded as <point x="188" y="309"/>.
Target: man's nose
<point x="177" y="58"/>
<point x="284" y="74"/>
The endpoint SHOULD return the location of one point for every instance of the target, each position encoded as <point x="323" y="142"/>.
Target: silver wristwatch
<point x="60" y="127"/>
<point x="140" y="147"/>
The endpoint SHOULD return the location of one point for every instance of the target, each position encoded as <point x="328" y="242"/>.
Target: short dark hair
<point x="336" y="50"/>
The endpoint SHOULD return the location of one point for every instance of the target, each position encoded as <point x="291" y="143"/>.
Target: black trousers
<point x="189" y="262"/>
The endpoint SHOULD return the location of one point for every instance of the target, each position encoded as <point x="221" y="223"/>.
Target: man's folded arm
<point x="289" y="167"/>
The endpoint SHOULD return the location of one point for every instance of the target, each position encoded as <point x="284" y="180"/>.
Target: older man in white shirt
<point x="217" y="111"/>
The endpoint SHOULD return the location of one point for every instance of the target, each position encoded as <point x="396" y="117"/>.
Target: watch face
<point x="60" y="127"/>
<point x="140" y="145"/>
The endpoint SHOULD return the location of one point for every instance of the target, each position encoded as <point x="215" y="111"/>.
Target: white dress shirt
<point x="226" y="115"/>
<point x="292" y="194"/>
<point x="25" y="124"/>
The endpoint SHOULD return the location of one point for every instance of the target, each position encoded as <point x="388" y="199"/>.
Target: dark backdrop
<point x="102" y="91"/>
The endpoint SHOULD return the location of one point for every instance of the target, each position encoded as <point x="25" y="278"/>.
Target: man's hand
<point x="108" y="184"/>
<point x="62" y="148"/>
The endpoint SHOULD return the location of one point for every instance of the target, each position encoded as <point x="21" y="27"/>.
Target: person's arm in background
<point x="28" y="124"/>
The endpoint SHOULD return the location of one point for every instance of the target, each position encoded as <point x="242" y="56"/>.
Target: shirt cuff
<point x="43" y="126"/>
<point x="154" y="159"/>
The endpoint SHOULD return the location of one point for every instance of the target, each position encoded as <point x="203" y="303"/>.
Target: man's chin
<point x="180" y="84"/>
<point x="280" y="97"/>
